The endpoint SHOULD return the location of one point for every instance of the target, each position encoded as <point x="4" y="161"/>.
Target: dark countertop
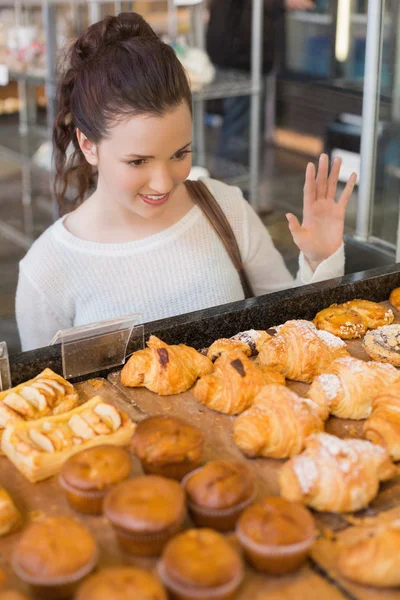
<point x="199" y="329"/>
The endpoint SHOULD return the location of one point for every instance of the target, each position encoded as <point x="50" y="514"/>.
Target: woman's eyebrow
<point x="141" y="156"/>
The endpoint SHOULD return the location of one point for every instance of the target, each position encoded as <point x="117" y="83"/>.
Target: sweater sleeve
<point x="37" y="321"/>
<point x="265" y="266"/>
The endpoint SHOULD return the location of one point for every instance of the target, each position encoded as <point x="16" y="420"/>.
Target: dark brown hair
<point x="117" y="68"/>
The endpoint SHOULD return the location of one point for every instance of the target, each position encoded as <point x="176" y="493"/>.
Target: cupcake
<point x="53" y="556"/>
<point x="122" y="583"/>
<point x="218" y="493"/>
<point x="168" y="446"/>
<point x="87" y="476"/>
<point x="199" y="564"/>
<point x="276" y="535"/>
<point x="145" y="513"/>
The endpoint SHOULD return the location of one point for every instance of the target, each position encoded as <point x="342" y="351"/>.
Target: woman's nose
<point x="161" y="181"/>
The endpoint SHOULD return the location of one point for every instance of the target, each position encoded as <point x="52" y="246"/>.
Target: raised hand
<point x="321" y="232"/>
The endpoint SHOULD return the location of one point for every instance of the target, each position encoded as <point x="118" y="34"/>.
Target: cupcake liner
<point x="84" y="501"/>
<point x="83" y="493"/>
<point x="222" y="592"/>
<point x="275" y="550"/>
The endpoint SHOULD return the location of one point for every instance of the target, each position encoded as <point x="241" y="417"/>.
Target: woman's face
<point x="144" y="159"/>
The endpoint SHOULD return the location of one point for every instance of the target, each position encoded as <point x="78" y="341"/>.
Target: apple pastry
<point x="394" y="298"/>
<point x="46" y="395"/>
<point x="40" y="448"/>
<point x="342" y="321"/>
<point x="165" y="369"/>
<point x="10" y="517"/>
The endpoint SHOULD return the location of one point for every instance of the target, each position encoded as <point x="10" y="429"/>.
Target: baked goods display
<point x="39" y="449"/>
<point x="50" y="559"/>
<point x="276" y="535"/>
<point x="121" y="583"/>
<point x="218" y="492"/>
<point x="87" y="476"/>
<point x="383" y="426"/>
<point x="301" y="352"/>
<point x="45" y="395"/>
<point x="200" y="563"/>
<point x="383" y="344"/>
<point x="394" y="298"/>
<point x="374" y="558"/>
<point x="341" y="321"/>
<point x="168" y="446"/>
<point x="336" y="475"/>
<point x="165" y="369"/>
<point x="234" y="384"/>
<point x="348" y="387"/>
<point x="145" y="513"/>
<point x="277" y="424"/>
<point x="249" y="342"/>
<point x="10" y="517"/>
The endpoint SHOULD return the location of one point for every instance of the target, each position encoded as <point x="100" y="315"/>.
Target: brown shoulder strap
<point x="201" y="195"/>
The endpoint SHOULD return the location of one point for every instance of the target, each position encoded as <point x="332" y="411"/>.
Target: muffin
<point x="168" y="446"/>
<point x="276" y="535"/>
<point x="200" y="564"/>
<point x="122" y="583"/>
<point x="145" y="512"/>
<point x="87" y="476"/>
<point x="12" y="595"/>
<point x="218" y="493"/>
<point x="53" y="556"/>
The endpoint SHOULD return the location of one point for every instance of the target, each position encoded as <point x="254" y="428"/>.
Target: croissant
<point x="349" y="386"/>
<point x="277" y="423"/>
<point x="383" y="426"/>
<point x="249" y="342"/>
<point x="374" y="558"/>
<point x="300" y="351"/>
<point x="234" y="384"/>
<point x="10" y="517"/>
<point x="45" y="395"/>
<point x="335" y="475"/>
<point x="165" y="369"/>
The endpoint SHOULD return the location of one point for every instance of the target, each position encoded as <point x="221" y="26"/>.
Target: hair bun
<point x="110" y="31"/>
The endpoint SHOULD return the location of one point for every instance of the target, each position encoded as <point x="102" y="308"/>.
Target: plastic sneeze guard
<point x="5" y="377"/>
<point x="98" y="346"/>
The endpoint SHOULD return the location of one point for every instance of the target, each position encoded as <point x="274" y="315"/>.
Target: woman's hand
<point x="321" y="232"/>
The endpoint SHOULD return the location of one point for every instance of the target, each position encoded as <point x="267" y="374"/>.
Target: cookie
<point x="383" y="344"/>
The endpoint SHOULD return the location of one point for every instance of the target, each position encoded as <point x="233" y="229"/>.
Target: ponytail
<point x="117" y="68"/>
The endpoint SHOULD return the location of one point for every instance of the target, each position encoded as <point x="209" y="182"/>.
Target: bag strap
<point x="203" y="198"/>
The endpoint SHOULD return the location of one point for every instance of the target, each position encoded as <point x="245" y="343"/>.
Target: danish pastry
<point x="373" y="314"/>
<point x="45" y="395"/>
<point x="341" y="321"/>
<point x="234" y="384"/>
<point x="336" y="475"/>
<point x="348" y="387"/>
<point x="249" y="342"/>
<point x="301" y="352"/>
<point x="10" y="517"/>
<point x="40" y="448"/>
<point x="383" y="426"/>
<point x="394" y="298"/>
<point x="383" y="344"/>
<point x="165" y="369"/>
<point x="277" y="424"/>
<point x="373" y="558"/>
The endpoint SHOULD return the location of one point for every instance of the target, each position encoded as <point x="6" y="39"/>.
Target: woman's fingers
<point x="322" y="176"/>
<point x="347" y="192"/>
<point x="310" y="189"/>
<point x="333" y="179"/>
<point x="294" y="224"/>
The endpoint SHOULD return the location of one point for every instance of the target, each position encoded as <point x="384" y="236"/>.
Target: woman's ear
<point x="88" y="148"/>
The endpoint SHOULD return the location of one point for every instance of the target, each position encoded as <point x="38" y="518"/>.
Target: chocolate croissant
<point x="336" y="475"/>
<point x="301" y="352"/>
<point x="277" y="423"/>
<point x="234" y="384"/>
<point x="165" y="369"/>
<point x="348" y="387"/>
<point x="249" y="342"/>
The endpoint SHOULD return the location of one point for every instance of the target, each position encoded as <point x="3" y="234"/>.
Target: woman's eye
<point x="137" y="163"/>
<point x="181" y="155"/>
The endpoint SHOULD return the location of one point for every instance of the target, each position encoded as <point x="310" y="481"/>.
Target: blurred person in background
<point x="229" y="46"/>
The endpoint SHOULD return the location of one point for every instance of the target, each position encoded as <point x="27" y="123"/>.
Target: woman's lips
<point x="154" y="201"/>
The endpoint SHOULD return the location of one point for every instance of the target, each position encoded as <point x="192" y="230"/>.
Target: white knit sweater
<point x="65" y="281"/>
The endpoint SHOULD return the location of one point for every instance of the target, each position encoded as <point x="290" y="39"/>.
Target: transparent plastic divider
<point x="99" y="346"/>
<point x="5" y="376"/>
